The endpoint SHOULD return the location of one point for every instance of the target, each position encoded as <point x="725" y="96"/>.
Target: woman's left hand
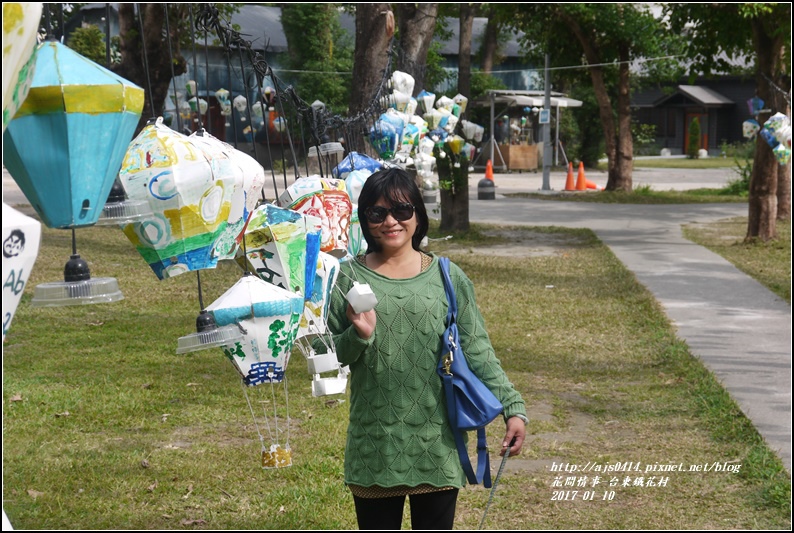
<point x="515" y="429"/>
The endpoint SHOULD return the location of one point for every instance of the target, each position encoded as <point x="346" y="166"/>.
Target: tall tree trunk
<point x="417" y="24"/>
<point x="762" y="213"/>
<point x="154" y="49"/>
<point x="490" y="43"/>
<point x="624" y="152"/>
<point x="464" y="48"/>
<point x="374" y="30"/>
<point x="454" y="184"/>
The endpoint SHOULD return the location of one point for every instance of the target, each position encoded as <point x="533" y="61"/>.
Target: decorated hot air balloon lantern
<point x="275" y="247"/>
<point x="327" y="199"/>
<point x="269" y="317"/>
<point x="198" y="106"/>
<point x="201" y="191"/>
<point x="222" y="95"/>
<point x="20" y="26"/>
<point x="66" y="142"/>
<point x="21" y="239"/>
<point x="241" y="105"/>
<point x="64" y="147"/>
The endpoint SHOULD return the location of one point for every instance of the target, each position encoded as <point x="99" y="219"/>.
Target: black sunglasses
<point x="377" y="214"/>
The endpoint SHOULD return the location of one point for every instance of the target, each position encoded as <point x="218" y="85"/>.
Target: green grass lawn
<point x="680" y="162"/>
<point x="106" y="427"/>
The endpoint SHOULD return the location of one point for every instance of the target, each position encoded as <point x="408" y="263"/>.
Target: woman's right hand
<point x="363" y="322"/>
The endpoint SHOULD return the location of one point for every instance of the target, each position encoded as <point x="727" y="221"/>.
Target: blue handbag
<point x="470" y="404"/>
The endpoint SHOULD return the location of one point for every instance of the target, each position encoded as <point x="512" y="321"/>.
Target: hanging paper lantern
<point x="750" y="128"/>
<point x="20" y="25"/>
<point x="248" y="178"/>
<point x="66" y="142"/>
<point x="256" y="109"/>
<point x="328" y="200"/>
<point x="355" y="161"/>
<point x="445" y="103"/>
<point x="21" y="238"/>
<point x="200" y="191"/>
<point x="269" y="316"/>
<point x="191" y="88"/>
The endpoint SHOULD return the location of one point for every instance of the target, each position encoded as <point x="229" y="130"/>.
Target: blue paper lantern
<point x="65" y="145"/>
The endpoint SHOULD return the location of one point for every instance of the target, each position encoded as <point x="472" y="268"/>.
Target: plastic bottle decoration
<point x="355" y="161"/>
<point x="755" y="105"/>
<point x="190" y="86"/>
<point x="426" y="100"/>
<point x="328" y="200"/>
<point x="280" y="124"/>
<point x="750" y="128"/>
<point x="445" y="103"/>
<point x="200" y="197"/>
<point x="403" y="82"/>
<point x="21" y="239"/>
<point x="462" y="101"/>
<point x="385" y="137"/>
<point x="66" y="142"/>
<point x="241" y="105"/>
<point x="20" y="26"/>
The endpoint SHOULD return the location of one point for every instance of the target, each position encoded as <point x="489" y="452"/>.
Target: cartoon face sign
<point x="14" y="244"/>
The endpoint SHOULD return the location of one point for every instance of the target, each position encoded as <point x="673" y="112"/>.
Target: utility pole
<point x="547" y="130"/>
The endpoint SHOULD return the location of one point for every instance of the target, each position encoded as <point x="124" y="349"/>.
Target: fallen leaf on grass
<point x="189" y="491"/>
<point x="186" y="522"/>
<point x="282" y="509"/>
<point x="145" y="463"/>
<point x="192" y="384"/>
<point x="146" y="386"/>
<point x="151" y="487"/>
<point x="58" y="415"/>
<point x="15" y="398"/>
<point x="165" y="417"/>
<point x="96" y="323"/>
<point x="34" y="493"/>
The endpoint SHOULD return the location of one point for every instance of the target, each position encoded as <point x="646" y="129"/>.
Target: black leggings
<point x="431" y="511"/>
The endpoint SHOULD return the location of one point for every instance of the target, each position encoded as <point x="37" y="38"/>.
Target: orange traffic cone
<point x="569" y="180"/>
<point x="581" y="181"/>
<point x="489" y="170"/>
<point x="591" y="185"/>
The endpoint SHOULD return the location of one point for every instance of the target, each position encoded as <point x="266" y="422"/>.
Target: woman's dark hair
<point x="394" y="185"/>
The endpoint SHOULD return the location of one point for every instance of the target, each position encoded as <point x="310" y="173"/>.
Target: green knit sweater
<point x="399" y="433"/>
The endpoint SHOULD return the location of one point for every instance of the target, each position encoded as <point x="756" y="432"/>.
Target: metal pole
<point x="547" y="131"/>
<point x="493" y="129"/>
<point x="557" y="140"/>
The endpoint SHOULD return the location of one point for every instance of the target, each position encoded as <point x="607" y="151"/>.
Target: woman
<point x="399" y="440"/>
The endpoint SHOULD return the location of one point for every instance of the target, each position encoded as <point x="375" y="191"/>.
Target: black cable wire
<point x="145" y="61"/>
<point x="173" y="76"/>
